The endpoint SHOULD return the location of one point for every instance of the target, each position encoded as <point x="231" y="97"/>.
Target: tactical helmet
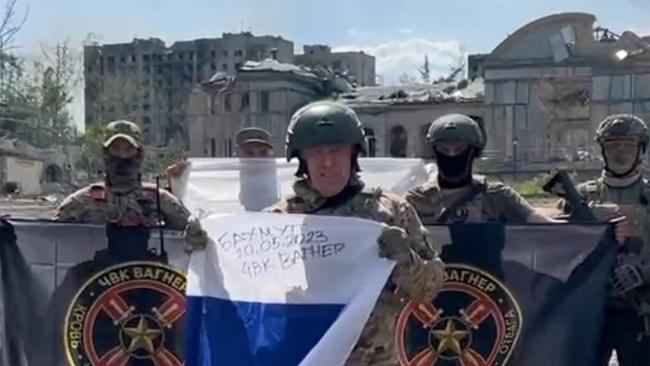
<point x="456" y="127"/>
<point x="123" y="129"/>
<point x="323" y="123"/>
<point x="622" y="125"/>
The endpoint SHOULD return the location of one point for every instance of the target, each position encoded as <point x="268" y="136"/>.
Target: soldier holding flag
<point x="623" y="140"/>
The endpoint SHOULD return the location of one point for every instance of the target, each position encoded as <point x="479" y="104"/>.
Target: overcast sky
<point x="398" y="32"/>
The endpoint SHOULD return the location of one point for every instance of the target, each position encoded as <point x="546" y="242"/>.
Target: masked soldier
<point x="623" y="140"/>
<point x="122" y="199"/>
<point x="458" y="195"/>
<point x="327" y="137"/>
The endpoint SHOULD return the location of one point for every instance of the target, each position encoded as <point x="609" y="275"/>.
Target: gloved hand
<point x="195" y="238"/>
<point x="629" y="274"/>
<point x="612" y="212"/>
<point x="394" y="244"/>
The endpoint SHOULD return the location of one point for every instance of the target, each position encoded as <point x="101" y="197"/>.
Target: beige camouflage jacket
<point x="96" y="204"/>
<point x="417" y="281"/>
<point x="497" y="202"/>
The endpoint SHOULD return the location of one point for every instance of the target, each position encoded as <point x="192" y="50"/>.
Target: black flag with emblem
<point x="523" y="295"/>
<point x="90" y="295"/>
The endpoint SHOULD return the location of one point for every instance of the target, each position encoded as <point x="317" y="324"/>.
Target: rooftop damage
<point x="327" y="81"/>
<point x="444" y="92"/>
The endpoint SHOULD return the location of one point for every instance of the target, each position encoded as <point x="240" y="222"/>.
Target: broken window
<point x="224" y="67"/>
<point x="239" y="53"/>
<point x="238" y="66"/>
<point x="642" y="83"/>
<point x="522" y="92"/>
<point x="600" y="87"/>
<point x="568" y="36"/>
<point x="371" y="141"/>
<point x="560" y="50"/>
<point x="245" y="101"/>
<point x="145" y="58"/>
<point x="398" y="142"/>
<point x="226" y="103"/>
<point x="620" y="87"/>
<point x="427" y="149"/>
<point x="132" y="58"/>
<point x="264" y="101"/>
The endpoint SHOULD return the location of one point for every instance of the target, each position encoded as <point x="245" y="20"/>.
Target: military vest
<point x="632" y="200"/>
<point x="487" y="203"/>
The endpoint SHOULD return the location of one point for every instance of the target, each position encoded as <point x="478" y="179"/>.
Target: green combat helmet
<point x="623" y="125"/>
<point x="123" y="129"/>
<point x="323" y="123"/>
<point x="456" y="128"/>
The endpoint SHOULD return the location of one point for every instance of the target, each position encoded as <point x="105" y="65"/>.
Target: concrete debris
<point x="417" y="93"/>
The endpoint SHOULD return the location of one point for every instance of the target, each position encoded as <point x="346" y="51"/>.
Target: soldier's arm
<point x="71" y="209"/>
<point x="514" y="207"/>
<point x="175" y="213"/>
<point x="421" y="278"/>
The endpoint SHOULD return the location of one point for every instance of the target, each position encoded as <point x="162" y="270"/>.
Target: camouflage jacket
<point x="97" y="204"/>
<point x="632" y="200"/>
<point x="494" y="202"/>
<point x="418" y="281"/>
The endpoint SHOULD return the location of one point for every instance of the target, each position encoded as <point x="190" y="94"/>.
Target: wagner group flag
<point x="282" y="289"/>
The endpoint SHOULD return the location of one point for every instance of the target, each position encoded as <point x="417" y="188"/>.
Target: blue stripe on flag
<point x="224" y="332"/>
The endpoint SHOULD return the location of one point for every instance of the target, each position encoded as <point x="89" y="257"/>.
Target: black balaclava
<point x="122" y="174"/>
<point x="455" y="171"/>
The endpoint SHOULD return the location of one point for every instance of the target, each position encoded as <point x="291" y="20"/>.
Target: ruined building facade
<point x="149" y="82"/>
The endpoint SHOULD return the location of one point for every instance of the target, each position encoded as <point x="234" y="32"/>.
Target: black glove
<point x="630" y="273"/>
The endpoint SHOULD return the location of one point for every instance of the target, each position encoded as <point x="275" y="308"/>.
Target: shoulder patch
<point x="97" y="192"/>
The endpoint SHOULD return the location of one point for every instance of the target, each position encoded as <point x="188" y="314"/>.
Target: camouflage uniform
<point x="418" y="278"/>
<point x="97" y="204"/>
<point x="631" y="193"/>
<point x="495" y="202"/>
<point x="131" y="204"/>
<point x="491" y="201"/>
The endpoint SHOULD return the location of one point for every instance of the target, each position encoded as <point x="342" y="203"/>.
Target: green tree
<point x="56" y="75"/>
<point x="92" y="150"/>
<point x="425" y="70"/>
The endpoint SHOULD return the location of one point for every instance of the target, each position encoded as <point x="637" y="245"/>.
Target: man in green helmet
<point x="326" y="138"/>
<point x="122" y="199"/>
<point x="458" y="195"/>
<point x="623" y="139"/>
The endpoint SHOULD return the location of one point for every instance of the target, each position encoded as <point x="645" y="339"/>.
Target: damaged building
<point x="263" y="94"/>
<point x="397" y="118"/>
<point x="549" y="84"/>
<point x="539" y="96"/>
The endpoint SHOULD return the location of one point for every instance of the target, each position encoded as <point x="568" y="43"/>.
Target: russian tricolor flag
<point x="282" y="290"/>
